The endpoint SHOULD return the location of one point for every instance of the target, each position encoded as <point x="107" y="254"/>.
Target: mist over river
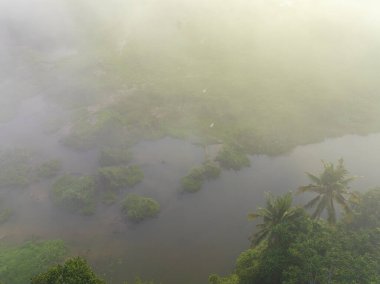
<point x="194" y="234"/>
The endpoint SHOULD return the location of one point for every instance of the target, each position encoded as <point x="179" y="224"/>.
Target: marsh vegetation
<point x="110" y="111"/>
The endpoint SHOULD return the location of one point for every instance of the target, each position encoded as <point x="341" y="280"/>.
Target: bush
<point x="193" y="181"/>
<point x="75" y="193"/>
<point x="232" y="157"/>
<point x="73" y="271"/>
<point x="138" y="208"/>
<point x="49" y="169"/>
<point x="18" y="264"/>
<point x="16" y="168"/>
<point x="114" y="178"/>
<point x="211" y="170"/>
<point x="215" y="279"/>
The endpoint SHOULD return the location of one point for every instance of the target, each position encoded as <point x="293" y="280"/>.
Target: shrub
<point x="15" y="168"/>
<point x="115" y="178"/>
<point x="137" y="208"/>
<point x="75" y="193"/>
<point x="49" y="169"/>
<point x="232" y="157"/>
<point x="193" y="181"/>
<point x="211" y="170"/>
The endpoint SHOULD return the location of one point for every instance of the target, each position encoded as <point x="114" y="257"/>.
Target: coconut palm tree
<point x="331" y="186"/>
<point x="278" y="210"/>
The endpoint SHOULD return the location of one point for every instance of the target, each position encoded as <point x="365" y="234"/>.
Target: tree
<point x="278" y="211"/>
<point x="73" y="271"/>
<point x="19" y="263"/>
<point x="366" y="213"/>
<point x="332" y="187"/>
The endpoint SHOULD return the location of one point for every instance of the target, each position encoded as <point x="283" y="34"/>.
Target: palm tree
<point x="331" y="186"/>
<point x="279" y="210"/>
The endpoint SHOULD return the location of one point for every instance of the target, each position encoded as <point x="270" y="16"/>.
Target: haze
<point x="196" y="107"/>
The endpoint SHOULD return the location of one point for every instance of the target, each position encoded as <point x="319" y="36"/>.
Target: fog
<point x="137" y="96"/>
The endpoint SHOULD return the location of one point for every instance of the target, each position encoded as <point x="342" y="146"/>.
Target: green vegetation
<point x="366" y="213"/>
<point x="73" y="271"/>
<point x="102" y="127"/>
<point x="49" y="169"/>
<point x="193" y="181"/>
<point x="16" y="169"/>
<point x="211" y="170"/>
<point x="332" y="187"/>
<point x="290" y="247"/>
<point x="138" y="280"/>
<point x="114" y="156"/>
<point x="277" y="211"/>
<point x="305" y="250"/>
<point x="76" y="193"/>
<point x="5" y="214"/>
<point x="137" y="208"/>
<point x="232" y="157"/>
<point x="115" y="178"/>
<point x="195" y="178"/>
<point x="19" y="263"/>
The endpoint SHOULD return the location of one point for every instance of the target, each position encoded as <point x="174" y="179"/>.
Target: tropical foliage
<point x="19" y="263"/>
<point x="73" y="271"/>
<point x="331" y="187"/>
<point x="308" y="250"/>
<point x="277" y="213"/>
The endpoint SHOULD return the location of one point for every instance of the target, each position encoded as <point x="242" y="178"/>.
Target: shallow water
<point x="195" y="234"/>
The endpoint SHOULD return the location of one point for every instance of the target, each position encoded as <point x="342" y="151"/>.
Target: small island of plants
<point x="193" y="181"/>
<point x="116" y="178"/>
<point x="75" y="193"/>
<point x="138" y="208"/>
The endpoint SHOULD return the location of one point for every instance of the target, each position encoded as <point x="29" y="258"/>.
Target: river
<point x="195" y="234"/>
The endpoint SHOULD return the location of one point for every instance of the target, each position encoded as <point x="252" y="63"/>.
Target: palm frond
<point x="321" y="206"/>
<point x="312" y="202"/>
<point x="313" y="178"/>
